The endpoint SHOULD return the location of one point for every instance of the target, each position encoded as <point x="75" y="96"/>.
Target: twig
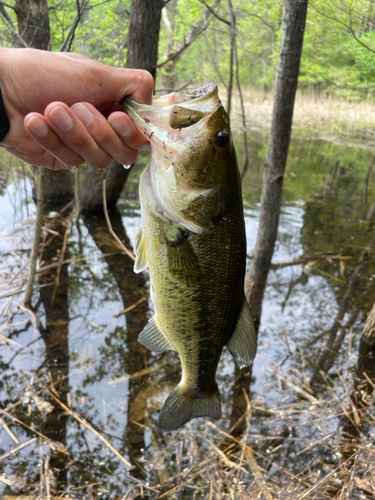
<point x="67" y="43"/>
<point x="129" y="308"/>
<point x="61" y="258"/>
<point x="19" y="448"/>
<point x="231" y="56"/>
<point x="7" y="21"/>
<point x="37" y="230"/>
<point x="78" y="194"/>
<point x="9" y="431"/>
<point x="215" y="14"/>
<point x="90" y="428"/>
<point x="34" y="317"/>
<point x="23" y="423"/>
<point x="246" y="162"/>
<point x="128" y="252"/>
<point x="317" y="485"/>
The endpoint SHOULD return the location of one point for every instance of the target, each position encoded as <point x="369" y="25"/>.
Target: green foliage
<point x="338" y="54"/>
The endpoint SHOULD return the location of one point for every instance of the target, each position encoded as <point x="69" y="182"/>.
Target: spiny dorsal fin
<point x="179" y="409"/>
<point x="243" y="343"/>
<point x="182" y="261"/>
<point x="153" y="338"/>
<point x="141" y="254"/>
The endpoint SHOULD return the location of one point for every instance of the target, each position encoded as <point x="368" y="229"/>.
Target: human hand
<point x="64" y="109"/>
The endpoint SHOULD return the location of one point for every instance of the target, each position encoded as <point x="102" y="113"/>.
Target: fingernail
<point x="83" y="113"/>
<point x="120" y="125"/>
<point x="61" y="119"/>
<point x="37" y="126"/>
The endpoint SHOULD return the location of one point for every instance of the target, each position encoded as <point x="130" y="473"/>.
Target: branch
<point x="9" y="6"/>
<point x="168" y="25"/>
<point x="55" y="6"/>
<point x="266" y="23"/>
<point x="37" y="231"/>
<point x="7" y="21"/>
<point x="214" y="63"/>
<point x="215" y="14"/>
<point x="333" y="18"/>
<point x="194" y="32"/>
<point x="70" y="37"/>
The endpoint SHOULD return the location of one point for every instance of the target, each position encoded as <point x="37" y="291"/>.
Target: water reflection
<point x="319" y="291"/>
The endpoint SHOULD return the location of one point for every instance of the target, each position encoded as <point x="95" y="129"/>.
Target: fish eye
<point x="222" y="139"/>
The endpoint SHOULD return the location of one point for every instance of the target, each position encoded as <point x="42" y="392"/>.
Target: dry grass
<point x="211" y="463"/>
<point x="328" y="118"/>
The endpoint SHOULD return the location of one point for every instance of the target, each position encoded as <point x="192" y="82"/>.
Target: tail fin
<point x="179" y="409"/>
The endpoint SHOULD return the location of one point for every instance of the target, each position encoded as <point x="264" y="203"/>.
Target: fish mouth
<point x="173" y="119"/>
<point x="177" y="127"/>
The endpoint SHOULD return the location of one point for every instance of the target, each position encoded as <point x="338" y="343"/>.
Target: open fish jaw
<point x="176" y="126"/>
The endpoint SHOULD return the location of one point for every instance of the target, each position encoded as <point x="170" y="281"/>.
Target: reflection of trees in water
<point x="56" y="330"/>
<point x="333" y="225"/>
<point x="132" y="290"/>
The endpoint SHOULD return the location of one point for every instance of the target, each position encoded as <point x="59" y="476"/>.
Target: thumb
<point x="113" y="84"/>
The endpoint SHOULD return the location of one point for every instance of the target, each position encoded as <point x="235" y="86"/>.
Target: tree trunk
<point x="92" y="186"/>
<point x="144" y="30"/>
<point x="143" y="43"/>
<point x="34" y="28"/>
<point x="286" y="85"/>
<point x="55" y="333"/>
<point x="33" y="23"/>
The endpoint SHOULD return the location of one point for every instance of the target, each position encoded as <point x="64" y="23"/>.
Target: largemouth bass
<point x="193" y="241"/>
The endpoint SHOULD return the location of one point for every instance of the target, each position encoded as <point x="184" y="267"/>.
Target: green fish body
<point x="193" y="241"/>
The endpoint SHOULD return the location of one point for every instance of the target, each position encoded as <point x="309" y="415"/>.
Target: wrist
<point x="4" y="120"/>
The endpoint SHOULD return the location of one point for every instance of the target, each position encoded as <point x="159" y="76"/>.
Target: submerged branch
<point x="128" y="252"/>
<point x="37" y="231"/>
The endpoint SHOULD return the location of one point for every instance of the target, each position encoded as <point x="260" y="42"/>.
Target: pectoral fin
<point x="153" y="338"/>
<point x="243" y="343"/>
<point x="199" y="217"/>
<point x="141" y="254"/>
<point x="182" y="261"/>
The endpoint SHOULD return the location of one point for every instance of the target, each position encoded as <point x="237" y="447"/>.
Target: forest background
<point x="338" y="51"/>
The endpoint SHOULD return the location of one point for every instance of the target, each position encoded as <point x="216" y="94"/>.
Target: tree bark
<point x="92" y="186"/>
<point x="33" y="23"/>
<point x="34" y="28"/>
<point x="144" y="31"/>
<point x="143" y="43"/>
<point x="286" y="85"/>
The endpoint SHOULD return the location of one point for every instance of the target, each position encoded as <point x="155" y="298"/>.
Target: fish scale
<point x="193" y="241"/>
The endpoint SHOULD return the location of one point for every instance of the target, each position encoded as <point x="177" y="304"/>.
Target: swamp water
<point x="84" y="396"/>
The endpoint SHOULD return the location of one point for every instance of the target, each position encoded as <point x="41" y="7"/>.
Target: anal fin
<point x="243" y="343"/>
<point x="153" y="338"/>
<point x="141" y="253"/>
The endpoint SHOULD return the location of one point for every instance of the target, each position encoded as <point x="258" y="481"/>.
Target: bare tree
<point x="293" y="28"/>
<point x="175" y="49"/>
